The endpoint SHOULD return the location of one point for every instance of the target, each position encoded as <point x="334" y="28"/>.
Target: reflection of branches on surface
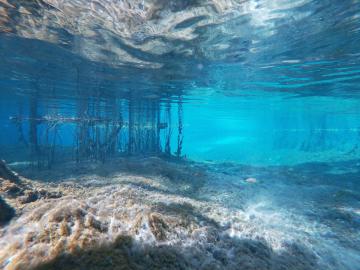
<point x="101" y="128"/>
<point x="96" y="146"/>
<point x="57" y="119"/>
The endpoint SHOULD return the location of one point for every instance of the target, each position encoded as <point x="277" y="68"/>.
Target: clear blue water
<point x="248" y="89"/>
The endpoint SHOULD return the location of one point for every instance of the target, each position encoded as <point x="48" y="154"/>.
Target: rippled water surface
<point x="217" y="134"/>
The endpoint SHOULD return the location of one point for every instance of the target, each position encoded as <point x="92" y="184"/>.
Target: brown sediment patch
<point x="158" y="226"/>
<point x="10" y="188"/>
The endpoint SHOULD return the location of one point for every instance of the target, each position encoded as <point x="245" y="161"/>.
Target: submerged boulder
<point x="7" y="173"/>
<point x="29" y="196"/>
<point x="13" y="187"/>
<point x="10" y="184"/>
<point x="6" y="212"/>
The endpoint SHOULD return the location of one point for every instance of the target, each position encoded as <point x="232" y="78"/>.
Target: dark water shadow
<point x="6" y="212"/>
<point x="124" y="253"/>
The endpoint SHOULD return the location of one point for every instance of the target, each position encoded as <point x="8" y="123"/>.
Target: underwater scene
<point x="179" y="134"/>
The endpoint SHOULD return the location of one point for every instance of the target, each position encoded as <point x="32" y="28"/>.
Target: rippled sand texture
<point x="129" y="221"/>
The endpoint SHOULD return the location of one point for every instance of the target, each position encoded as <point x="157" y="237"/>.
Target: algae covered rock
<point x="29" y="196"/>
<point x="11" y="189"/>
<point x="32" y="195"/>
<point x="10" y="183"/>
<point x="25" y="194"/>
<point x="6" y="212"/>
<point x="158" y="226"/>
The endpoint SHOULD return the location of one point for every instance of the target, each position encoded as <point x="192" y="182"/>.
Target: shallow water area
<point x="151" y="134"/>
<point x="224" y="221"/>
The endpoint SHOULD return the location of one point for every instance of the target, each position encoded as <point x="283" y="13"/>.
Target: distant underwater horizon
<point x="152" y="134"/>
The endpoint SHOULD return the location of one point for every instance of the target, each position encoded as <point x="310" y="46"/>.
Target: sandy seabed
<point x="141" y="214"/>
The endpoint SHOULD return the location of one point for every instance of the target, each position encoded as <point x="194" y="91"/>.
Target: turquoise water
<point x="263" y="96"/>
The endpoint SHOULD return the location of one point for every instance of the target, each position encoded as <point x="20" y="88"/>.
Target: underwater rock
<point x="251" y="180"/>
<point x="64" y="229"/>
<point x="91" y="222"/>
<point x="220" y="255"/>
<point x="163" y="257"/>
<point x="6" y="212"/>
<point x="119" y="224"/>
<point x="34" y="195"/>
<point x="158" y="226"/>
<point x="7" y="174"/>
<point x="206" y="233"/>
<point x="295" y="257"/>
<point x="211" y="265"/>
<point x="102" y="257"/>
<point x="252" y="255"/>
<point x="30" y="196"/>
<point x="10" y="183"/>
<point x="11" y="189"/>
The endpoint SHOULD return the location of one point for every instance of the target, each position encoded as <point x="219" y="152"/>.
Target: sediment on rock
<point x="158" y="226"/>
<point x="121" y="224"/>
<point x="13" y="187"/>
<point x="33" y="195"/>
